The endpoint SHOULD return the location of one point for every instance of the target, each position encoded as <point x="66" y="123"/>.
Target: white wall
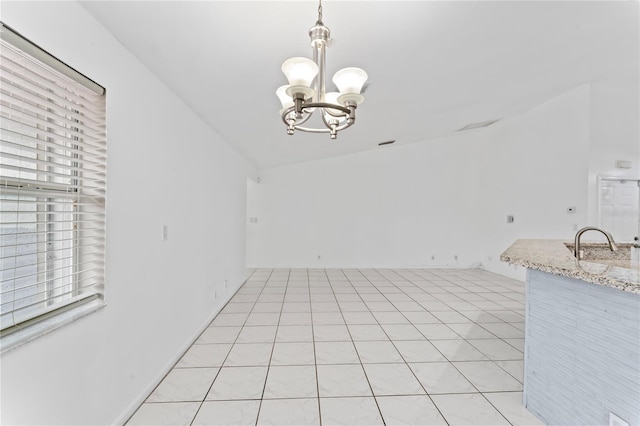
<point x="615" y="112"/>
<point x="399" y="205"/>
<point x="615" y="133"/>
<point x="165" y="166"/>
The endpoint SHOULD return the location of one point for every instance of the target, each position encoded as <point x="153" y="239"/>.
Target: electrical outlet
<point x="617" y="421"/>
<point x="165" y="232"/>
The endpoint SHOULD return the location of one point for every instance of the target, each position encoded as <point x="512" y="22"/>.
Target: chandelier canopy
<point x="305" y="94"/>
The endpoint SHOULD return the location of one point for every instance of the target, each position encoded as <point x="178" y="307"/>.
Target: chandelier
<point x="300" y="100"/>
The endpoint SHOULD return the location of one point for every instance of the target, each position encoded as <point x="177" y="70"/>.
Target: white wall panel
<point x="398" y="206"/>
<point x="165" y="167"/>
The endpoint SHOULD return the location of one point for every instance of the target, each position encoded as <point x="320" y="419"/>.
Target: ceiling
<point x="434" y="66"/>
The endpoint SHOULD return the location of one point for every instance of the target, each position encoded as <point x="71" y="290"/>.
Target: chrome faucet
<point x="576" y="249"/>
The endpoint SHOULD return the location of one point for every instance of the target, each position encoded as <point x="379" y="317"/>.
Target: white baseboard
<point x="135" y="404"/>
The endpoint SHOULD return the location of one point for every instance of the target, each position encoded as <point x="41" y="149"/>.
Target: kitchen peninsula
<point x="582" y="338"/>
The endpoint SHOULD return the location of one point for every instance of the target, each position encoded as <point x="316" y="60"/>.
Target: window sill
<point x="41" y="328"/>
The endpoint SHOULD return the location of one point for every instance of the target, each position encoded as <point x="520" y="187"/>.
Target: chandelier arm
<point x="346" y="124"/>
<point x="286" y="112"/>
<point x="291" y="109"/>
<point x="327" y="117"/>
<point x="323" y="114"/>
<point x="307" y="116"/>
<point x="313" y="130"/>
<point x="326" y="105"/>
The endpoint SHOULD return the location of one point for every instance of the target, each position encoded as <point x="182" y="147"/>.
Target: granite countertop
<point x="554" y="257"/>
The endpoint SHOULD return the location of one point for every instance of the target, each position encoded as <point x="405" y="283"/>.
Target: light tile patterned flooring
<point x="354" y="347"/>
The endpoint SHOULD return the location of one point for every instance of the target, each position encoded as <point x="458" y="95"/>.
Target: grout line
<point x="496" y="408"/>
<point x="194" y="342"/>
<point x="273" y="344"/>
<point x="232" y="344"/>
<point x="384" y="283"/>
<point x="413" y="372"/>
<point x="373" y="394"/>
<point x="313" y="340"/>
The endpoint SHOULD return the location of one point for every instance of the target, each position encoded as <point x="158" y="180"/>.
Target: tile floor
<point x="354" y="347"/>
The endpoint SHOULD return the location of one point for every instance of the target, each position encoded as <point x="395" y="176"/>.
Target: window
<point x="52" y="191"/>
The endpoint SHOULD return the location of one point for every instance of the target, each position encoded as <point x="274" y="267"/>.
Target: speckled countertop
<point x="554" y="257"/>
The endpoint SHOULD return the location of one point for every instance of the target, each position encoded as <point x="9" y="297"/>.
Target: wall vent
<point x="478" y="125"/>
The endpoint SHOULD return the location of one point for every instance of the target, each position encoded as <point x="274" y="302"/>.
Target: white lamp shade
<point x="285" y="99"/>
<point x="300" y="71"/>
<point x="332" y="98"/>
<point x="350" y="80"/>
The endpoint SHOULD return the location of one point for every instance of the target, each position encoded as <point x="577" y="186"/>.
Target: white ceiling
<point x="434" y="66"/>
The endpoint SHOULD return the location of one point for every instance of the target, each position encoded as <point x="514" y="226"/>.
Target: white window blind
<point x="52" y="183"/>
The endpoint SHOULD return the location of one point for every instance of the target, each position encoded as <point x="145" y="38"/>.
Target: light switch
<point x="510" y="219"/>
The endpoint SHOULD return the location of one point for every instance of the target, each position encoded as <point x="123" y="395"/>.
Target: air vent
<point x="478" y="125"/>
<point x="386" y="143"/>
